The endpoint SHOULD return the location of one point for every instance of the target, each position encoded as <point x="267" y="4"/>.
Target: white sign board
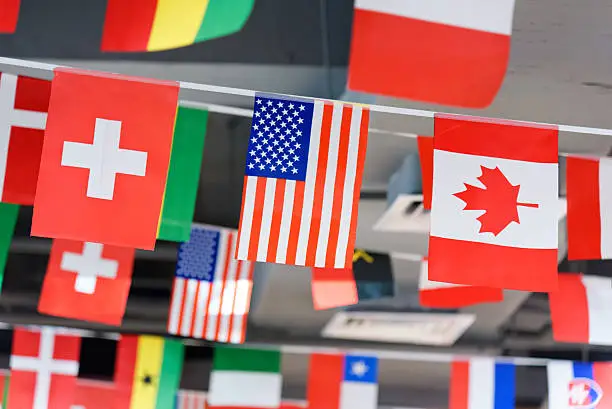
<point x="404" y="328"/>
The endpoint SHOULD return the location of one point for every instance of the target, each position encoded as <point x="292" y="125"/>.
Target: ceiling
<point x="560" y="72"/>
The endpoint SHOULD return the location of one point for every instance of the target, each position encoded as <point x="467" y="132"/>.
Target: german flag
<point x="148" y="371"/>
<point x="155" y="25"/>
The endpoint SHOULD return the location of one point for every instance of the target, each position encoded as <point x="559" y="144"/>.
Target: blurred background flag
<point x="211" y="294"/>
<point x="8" y="220"/>
<point x="148" y="369"/>
<point x="342" y="382"/>
<point x="9" y="15"/>
<point x="371" y="277"/>
<point x="245" y="378"/>
<point x="482" y="383"/>
<point x="579" y="385"/>
<point x="155" y="25"/>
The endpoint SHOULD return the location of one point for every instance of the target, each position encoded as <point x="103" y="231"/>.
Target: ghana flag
<point x="155" y="25"/>
<point x="148" y="368"/>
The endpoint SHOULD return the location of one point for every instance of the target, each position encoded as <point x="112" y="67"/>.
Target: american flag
<point x="186" y="399"/>
<point x="212" y="291"/>
<point x="302" y="182"/>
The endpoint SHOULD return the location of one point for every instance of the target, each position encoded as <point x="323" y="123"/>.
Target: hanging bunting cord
<point x="418" y="356"/>
<point x="251" y="93"/>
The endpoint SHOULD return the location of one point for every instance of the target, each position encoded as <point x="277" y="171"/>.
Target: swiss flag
<point x="23" y="114"/>
<point x="44" y="366"/>
<point x="495" y="208"/>
<point x="87" y="281"/>
<point x="105" y="158"/>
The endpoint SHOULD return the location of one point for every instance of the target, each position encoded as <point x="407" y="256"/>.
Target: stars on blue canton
<point x="197" y="258"/>
<point x="280" y="138"/>
<point x="360" y="369"/>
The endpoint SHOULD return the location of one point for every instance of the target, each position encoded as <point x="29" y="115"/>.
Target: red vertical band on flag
<point x="569" y="310"/>
<point x="125" y="365"/>
<point x="325" y="375"/>
<point x="363" y="145"/>
<point x="496" y="138"/>
<point x="583" y="213"/>
<point x="9" y="15"/>
<point x="426" y="144"/>
<point x="277" y="217"/>
<point x="127" y="25"/>
<point x="343" y="152"/>
<point x="459" y="385"/>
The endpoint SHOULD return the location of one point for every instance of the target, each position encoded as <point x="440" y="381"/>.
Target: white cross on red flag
<point x="44" y="367"/>
<point x="87" y="281"/>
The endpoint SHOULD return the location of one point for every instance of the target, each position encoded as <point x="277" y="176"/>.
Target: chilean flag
<point x="482" y="383"/>
<point x="342" y="382"/>
<point x="589" y="208"/>
<point x="451" y="52"/>
<point x="581" y="309"/>
<point x="579" y="385"/>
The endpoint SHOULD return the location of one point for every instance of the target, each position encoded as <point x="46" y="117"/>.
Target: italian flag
<point x="245" y="378"/>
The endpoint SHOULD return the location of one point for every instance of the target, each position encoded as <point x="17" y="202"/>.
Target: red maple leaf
<point x="499" y="200"/>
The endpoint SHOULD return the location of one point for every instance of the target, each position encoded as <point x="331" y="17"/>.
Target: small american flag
<point x="190" y="400"/>
<point x="212" y="291"/>
<point x="302" y="182"/>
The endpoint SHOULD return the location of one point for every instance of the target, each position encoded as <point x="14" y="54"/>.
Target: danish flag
<point x="44" y="367"/>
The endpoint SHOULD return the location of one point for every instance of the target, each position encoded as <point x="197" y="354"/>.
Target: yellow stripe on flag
<point x="147" y="372"/>
<point x="176" y="23"/>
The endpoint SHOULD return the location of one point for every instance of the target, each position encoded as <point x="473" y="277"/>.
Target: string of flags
<point x="491" y="199"/>
<point x="44" y="367"/>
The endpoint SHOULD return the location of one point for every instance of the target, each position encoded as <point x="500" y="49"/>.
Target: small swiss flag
<point x="105" y="158"/>
<point x="87" y="281"/>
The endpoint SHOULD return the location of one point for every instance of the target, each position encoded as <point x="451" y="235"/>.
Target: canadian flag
<point x="105" y="158"/>
<point x="495" y="209"/>
<point x="23" y="116"/>
<point x="44" y="366"/>
<point x="87" y="281"/>
<point x="581" y="309"/>
<point x="434" y="294"/>
<point x="452" y="52"/>
<point x="589" y="208"/>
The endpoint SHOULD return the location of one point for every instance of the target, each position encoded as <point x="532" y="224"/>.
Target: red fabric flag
<point x="44" y="367"/>
<point x="426" y="145"/>
<point x="581" y="309"/>
<point x="451" y="52"/>
<point x="105" y="158"/>
<point x="589" y="208"/>
<point x="433" y="294"/>
<point x="92" y="394"/>
<point x="9" y="15"/>
<point x="87" y="281"/>
<point x="333" y="287"/>
<point x="23" y="114"/>
<point x="495" y="205"/>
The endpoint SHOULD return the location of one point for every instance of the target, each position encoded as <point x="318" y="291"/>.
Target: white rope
<point x="251" y="93"/>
